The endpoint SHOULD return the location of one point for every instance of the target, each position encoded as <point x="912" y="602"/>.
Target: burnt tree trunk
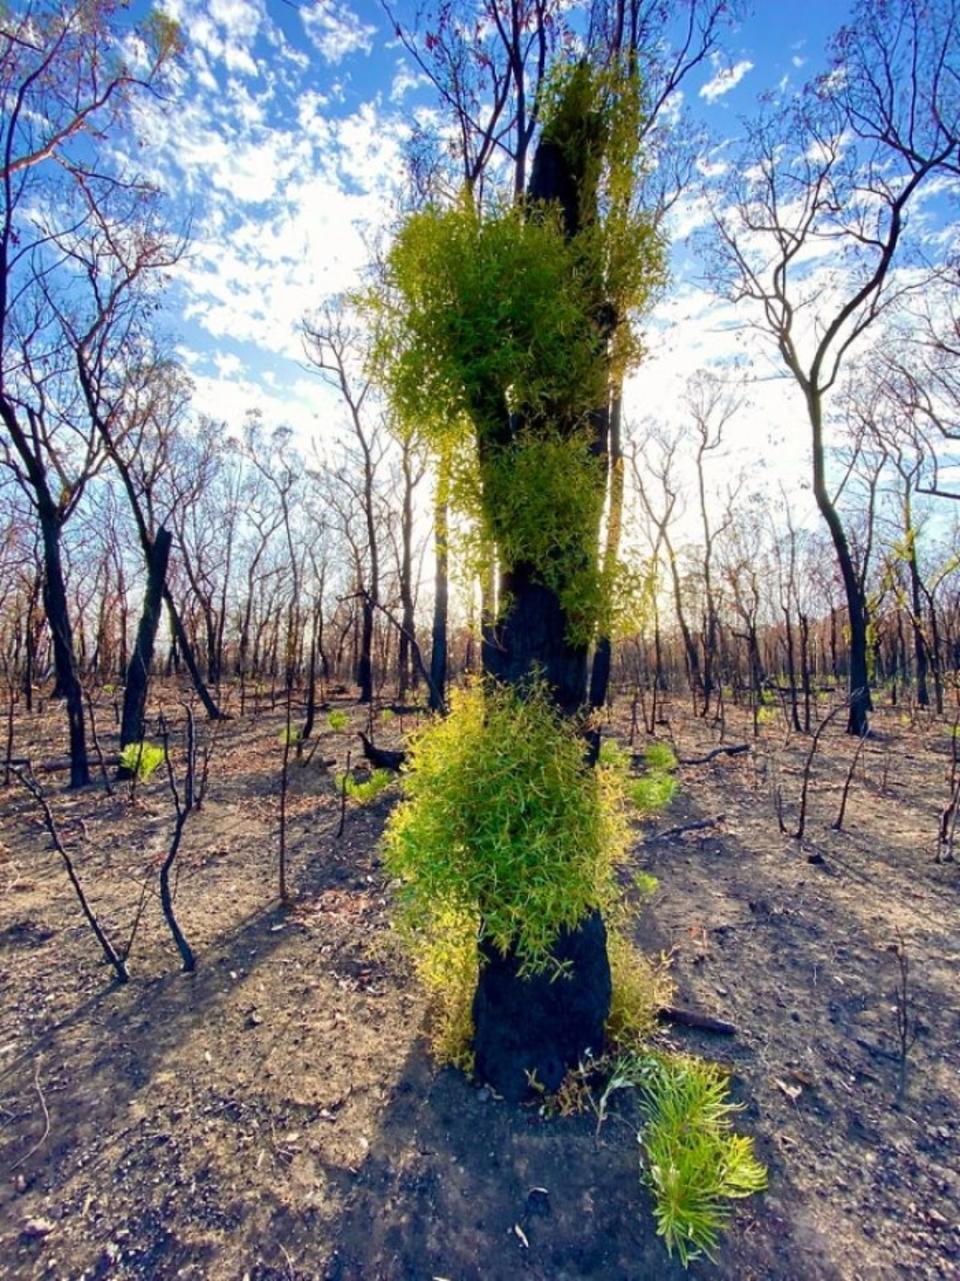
<point x="438" y="650"/>
<point x="531" y="1029"/>
<point x="58" y="618"/>
<point x="138" y="673"/>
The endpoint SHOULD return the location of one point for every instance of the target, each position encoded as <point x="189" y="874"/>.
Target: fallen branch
<point x="382" y="757"/>
<point x="734" y="749"/>
<point x="700" y="826"/>
<point x="690" y="1018"/>
<point x="46" y="1119"/>
<point x="52" y="766"/>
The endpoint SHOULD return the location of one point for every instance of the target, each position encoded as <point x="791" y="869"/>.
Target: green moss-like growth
<point x="503" y="824"/>
<point x="141" y="759"/>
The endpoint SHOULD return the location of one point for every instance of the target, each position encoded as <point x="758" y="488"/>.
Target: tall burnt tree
<point x="513" y="327"/>
<point x="64" y="206"/>
<point x="840" y="169"/>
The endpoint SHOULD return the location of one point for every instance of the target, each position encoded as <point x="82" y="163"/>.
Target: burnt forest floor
<point x="277" y="1115"/>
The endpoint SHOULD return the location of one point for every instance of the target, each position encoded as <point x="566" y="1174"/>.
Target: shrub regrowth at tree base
<point x="507" y="837"/>
<point x="505" y="823"/>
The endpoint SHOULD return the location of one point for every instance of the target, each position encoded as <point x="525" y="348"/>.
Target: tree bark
<point x="138" y="673"/>
<point x="859" y="674"/>
<point x="438" y="651"/>
<point x="528" y="1032"/>
<point x="58" y="618"/>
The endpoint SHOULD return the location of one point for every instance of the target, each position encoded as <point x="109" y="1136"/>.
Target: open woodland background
<point x="232" y="1078"/>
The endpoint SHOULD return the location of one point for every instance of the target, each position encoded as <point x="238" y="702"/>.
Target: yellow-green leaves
<point x="488" y="317"/>
<point x="503" y="824"/>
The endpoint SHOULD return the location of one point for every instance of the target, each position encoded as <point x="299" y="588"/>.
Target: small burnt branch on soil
<point x="194" y="788"/>
<point x="113" y="957"/>
<point x="733" y="749"/>
<point x="907" y="1026"/>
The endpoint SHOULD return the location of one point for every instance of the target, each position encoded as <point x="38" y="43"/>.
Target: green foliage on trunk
<point x="504" y="334"/>
<point x="504" y="824"/>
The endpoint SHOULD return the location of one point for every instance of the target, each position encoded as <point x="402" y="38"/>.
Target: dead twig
<point x="46" y="1120"/>
<point x="907" y="1028"/>
<point x="690" y="1018"/>
<point x="837" y="823"/>
<point x="343" y="798"/>
<point x="113" y="957"/>
<point x="734" y="749"/>
<point x="700" y="826"/>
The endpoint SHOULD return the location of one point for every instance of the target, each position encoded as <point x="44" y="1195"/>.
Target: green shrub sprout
<point x="694" y="1164"/>
<point x="504" y="824"/>
<point x="660" y="756"/>
<point x="364" y="790"/>
<point x="338" y="720"/>
<point x="141" y="759"/>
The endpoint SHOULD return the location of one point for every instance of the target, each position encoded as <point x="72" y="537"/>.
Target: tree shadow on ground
<point x="461" y="1187"/>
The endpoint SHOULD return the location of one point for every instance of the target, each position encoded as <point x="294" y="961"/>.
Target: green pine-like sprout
<point x="693" y="1162"/>
<point x="141" y="759"/>
<point x="364" y="790"/>
<point x="338" y="720"/>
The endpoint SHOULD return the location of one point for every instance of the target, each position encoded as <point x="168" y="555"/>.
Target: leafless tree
<point x="835" y="172"/>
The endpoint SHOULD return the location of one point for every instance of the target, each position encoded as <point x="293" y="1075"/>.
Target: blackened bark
<point x="408" y="621"/>
<point x="529" y="1031"/>
<point x="532" y="638"/>
<point x="859" y="677"/>
<point x="138" y="673"/>
<point x="181" y="647"/>
<point x="58" y="618"/>
<point x="365" y="658"/>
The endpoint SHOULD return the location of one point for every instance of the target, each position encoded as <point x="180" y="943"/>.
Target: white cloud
<point x="336" y="31"/>
<point x="725" y="79"/>
<point x="404" y="81"/>
<point x="797" y="61"/>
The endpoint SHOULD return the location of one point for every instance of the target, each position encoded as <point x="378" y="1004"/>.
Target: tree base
<point x="529" y="1032"/>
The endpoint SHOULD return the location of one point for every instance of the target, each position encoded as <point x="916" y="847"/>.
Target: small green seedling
<point x="660" y="756"/>
<point x="694" y="1164"/>
<point x="338" y="720"/>
<point x="366" y="790"/>
<point x="141" y="759"/>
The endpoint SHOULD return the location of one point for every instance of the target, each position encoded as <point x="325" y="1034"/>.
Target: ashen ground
<point x="276" y="1115"/>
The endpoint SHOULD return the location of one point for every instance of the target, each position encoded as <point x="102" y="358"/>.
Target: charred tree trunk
<point x="181" y="647"/>
<point x="365" y="656"/>
<point x="58" y="618"/>
<point x="138" y="673"/>
<point x="438" y="651"/>
<point x="532" y="1029"/>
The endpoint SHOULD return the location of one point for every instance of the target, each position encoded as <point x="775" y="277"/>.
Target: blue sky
<point x="281" y="144"/>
